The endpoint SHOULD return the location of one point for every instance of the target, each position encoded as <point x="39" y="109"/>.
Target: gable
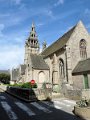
<point x="58" y="44"/>
<point x="79" y="31"/>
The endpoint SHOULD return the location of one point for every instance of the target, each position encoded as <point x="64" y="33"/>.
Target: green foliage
<point x="83" y="103"/>
<point x="5" y="78"/>
<point x="44" y="85"/>
<point x="16" y="85"/>
<point x="25" y="85"/>
<point x="28" y="85"/>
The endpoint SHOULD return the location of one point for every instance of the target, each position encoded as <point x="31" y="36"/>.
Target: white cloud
<point x="11" y="56"/>
<point x="48" y="12"/>
<point x="64" y="15"/>
<point x="39" y="24"/>
<point x="11" y="51"/>
<point x="59" y="2"/>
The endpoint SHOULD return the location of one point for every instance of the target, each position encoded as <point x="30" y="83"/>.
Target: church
<point x="58" y="64"/>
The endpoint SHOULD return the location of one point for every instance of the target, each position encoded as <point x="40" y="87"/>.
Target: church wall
<point x="40" y="79"/>
<point x="89" y="80"/>
<point x="34" y="74"/>
<point x="61" y="55"/>
<point x="79" y="33"/>
<point x="48" y="60"/>
<point x="53" y="62"/>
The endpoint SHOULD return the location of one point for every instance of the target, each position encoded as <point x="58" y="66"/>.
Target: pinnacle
<point x="80" y="22"/>
<point x="33" y="25"/>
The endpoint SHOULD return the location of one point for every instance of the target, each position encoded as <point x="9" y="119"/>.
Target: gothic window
<point x="83" y="52"/>
<point x="41" y="77"/>
<point x="61" y="68"/>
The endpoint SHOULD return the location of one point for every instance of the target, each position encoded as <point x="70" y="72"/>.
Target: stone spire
<point x="33" y="40"/>
<point x="31" y="44"/>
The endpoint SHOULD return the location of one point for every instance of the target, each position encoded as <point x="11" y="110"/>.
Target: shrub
<point x="83" y="103"/>
<point x="25" y="85"/>
<point x="16" y="85"/>
<point x="28" y="85"/>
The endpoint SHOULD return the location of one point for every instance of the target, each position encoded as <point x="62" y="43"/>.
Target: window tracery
<point x="83" y="53"/>
<point x="61" y="68"/>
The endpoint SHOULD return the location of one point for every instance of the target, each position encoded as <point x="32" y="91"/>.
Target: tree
<point x="5" y="78"/>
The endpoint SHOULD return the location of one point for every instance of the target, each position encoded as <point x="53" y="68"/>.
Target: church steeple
<point x="33" y="40"/>
<point x="31" y="44"/>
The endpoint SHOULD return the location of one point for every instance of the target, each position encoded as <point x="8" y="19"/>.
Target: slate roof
<point x="61" y="42"/>
<point x="83" y="67"/>
<point x="5" y="71"/>
<point x="37" y="62"/>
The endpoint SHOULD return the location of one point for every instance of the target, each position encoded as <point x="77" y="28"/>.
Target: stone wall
<point x="73" y="94"/>
<point x="79" y="33"/>
<point x="86" y="93"/>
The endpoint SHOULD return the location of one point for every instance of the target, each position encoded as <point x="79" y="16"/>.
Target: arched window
<point x="41" y="77"/>
<point x="32" y="29"/>
<point x="83" y="52"/>
<point x="61" y="68"/>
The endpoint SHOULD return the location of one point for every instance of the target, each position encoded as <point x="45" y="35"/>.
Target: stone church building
<point x="56" y="63"/>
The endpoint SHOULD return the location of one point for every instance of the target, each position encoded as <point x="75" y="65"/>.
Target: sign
<point x="32" y="82"/>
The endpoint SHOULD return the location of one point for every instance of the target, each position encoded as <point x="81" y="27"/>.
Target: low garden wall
<point x="31" y="94"/>
<point x="73" y="94"/>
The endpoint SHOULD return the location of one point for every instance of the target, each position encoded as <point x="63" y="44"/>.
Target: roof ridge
<point x="62" y="38"/>
<point x="63" y="35"/>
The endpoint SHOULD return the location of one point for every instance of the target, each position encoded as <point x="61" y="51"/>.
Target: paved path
<point x="13" y="109"/>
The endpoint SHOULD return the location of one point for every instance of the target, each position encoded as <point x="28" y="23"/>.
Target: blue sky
<point x="52" y="19"/>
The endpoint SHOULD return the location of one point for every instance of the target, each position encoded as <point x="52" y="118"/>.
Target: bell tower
<point x="33" y="40"/>
<point x="31" y="44"/>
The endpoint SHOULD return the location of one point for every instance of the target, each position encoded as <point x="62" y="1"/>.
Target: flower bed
<point x="25" y="85"/>
<point x="30" y="94"/>
<point x="24" y="93"/>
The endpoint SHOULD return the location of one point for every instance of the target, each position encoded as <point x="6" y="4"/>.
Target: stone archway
<point x="41" y="77"/>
